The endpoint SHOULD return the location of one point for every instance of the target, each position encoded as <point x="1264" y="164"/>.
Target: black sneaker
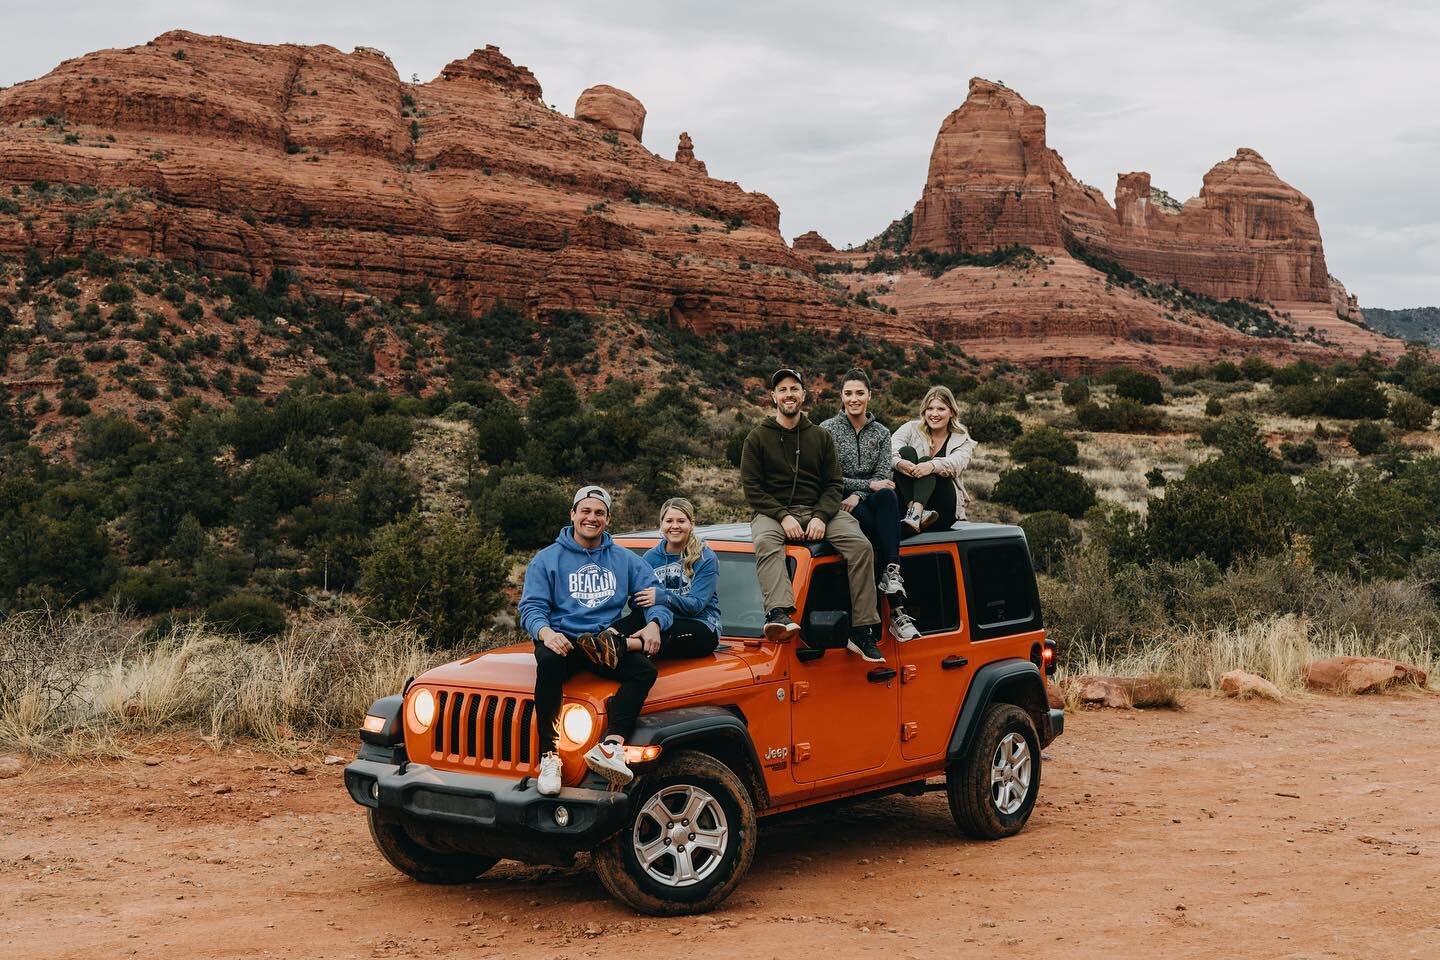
<point x="779" y="626"/>
<point x="862" y="641"/>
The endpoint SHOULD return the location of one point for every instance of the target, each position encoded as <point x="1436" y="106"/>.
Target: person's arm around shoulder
<point x="536" y="608"/>
<point x="638" y="575"/>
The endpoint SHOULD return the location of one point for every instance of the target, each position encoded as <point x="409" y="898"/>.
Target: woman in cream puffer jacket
<point x="931" y="449"/>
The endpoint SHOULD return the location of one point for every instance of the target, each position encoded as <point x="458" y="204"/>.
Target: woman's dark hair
<point x="855" y="374"/>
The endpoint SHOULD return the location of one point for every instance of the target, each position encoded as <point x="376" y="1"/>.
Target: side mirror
<point x="827" y="629"/>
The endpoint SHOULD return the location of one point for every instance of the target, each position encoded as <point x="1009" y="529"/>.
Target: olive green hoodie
<point x="782" y="469"/>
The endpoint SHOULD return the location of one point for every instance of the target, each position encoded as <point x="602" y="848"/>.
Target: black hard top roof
<point x="963" y="530"/>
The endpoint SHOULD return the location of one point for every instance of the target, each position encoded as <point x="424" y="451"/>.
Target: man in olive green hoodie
<point x="791" y="477"/>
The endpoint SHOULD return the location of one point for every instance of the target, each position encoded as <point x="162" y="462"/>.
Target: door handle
<point x="953" y="662"/>
<point x="880" y="674"/>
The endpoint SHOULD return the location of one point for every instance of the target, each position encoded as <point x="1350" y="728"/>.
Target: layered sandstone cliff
<point x="251" y="157"/>
<point x="993" y="182"/>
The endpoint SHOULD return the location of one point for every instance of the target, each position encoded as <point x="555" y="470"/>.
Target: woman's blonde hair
<point x="694" y="546"/>
<point x="943" y="394"/>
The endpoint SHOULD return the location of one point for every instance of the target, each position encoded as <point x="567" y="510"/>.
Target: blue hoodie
<point x="575" y="591"/>
<point x="695" y="598"/>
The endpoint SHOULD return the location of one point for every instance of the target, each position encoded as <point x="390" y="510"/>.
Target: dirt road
<point x="1306" y="829"/>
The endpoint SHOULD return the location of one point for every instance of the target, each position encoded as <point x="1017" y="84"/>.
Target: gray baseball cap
<point x="592" y="490"/>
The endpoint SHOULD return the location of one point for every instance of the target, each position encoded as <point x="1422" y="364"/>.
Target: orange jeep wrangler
<point x="447" y="767"/>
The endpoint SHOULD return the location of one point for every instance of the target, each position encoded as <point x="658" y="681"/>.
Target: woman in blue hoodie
<point x="687" y="572"/>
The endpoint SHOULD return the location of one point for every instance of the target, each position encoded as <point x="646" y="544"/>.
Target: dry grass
<point x="1276" y="648"/>
<point x="70" y="684"/>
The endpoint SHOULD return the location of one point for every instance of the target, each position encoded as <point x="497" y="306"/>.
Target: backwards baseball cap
<point x="599" y="493"/>
<point x="784" y="372"/>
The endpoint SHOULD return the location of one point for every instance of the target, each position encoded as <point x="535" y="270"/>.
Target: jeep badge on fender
<point x="447" y="768"/>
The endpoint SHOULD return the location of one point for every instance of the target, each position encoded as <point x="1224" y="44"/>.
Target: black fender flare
<point x="1003" y="681"/>
<point x="719" y="731"/>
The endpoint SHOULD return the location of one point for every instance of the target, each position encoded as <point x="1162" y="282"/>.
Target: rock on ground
<point x="1124" y="693"/>
<point x="10" y="767"/>
<point x="1242" y="686"/>
<point x="1361" y="674"/>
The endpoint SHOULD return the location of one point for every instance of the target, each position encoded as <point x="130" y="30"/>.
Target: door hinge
<point x="909" y="731"/>
<point x="799" y="690"/>
<point x="907" y="672"/>
<point x="801" y="754"/>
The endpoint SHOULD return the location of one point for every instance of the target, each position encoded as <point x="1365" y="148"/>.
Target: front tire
<point x="688" y="842"/>
<point x="993" y="790"/>
<point x="418" y="861"/>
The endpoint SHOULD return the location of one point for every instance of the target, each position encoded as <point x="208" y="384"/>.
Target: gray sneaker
<point x="891" y="583"/>
<point x="902" y="625"/>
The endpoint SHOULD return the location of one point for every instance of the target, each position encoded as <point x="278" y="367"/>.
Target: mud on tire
<point x="993" y="790"/>
<point x="419" y="862"/>
<point x="693" y="801"/>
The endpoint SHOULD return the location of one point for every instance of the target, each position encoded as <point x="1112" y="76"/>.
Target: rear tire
<point x="418" y="861"/>
<point x="993" y="790"/>
<point x="691" y="798"/>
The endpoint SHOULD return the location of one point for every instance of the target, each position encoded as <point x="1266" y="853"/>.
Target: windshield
<point x="741" y="606"/>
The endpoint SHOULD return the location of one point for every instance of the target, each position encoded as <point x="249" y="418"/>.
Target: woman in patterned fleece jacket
<point x="863" y="447"/>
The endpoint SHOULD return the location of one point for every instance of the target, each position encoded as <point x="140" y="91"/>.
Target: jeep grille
<point x="485" y="731"/>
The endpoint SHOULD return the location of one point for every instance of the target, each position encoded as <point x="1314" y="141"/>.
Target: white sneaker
<point x="548" y="783"/>
<point x="607" y="758"/>
<point x="902" y="625"/>
<point x="912" y="517"/>
<point x="891" y="583"/>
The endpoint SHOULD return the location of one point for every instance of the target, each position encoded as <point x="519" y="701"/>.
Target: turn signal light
<point x="641" y="754"/>
<point x="374" y="724"/>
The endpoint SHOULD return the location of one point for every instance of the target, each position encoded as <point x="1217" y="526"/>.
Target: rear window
<point x="1001" y="590"/>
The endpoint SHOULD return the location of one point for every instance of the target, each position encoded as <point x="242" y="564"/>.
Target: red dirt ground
<point x="1302" y="830"/>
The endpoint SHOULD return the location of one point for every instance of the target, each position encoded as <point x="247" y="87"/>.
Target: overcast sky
<point x="831" y="108"/>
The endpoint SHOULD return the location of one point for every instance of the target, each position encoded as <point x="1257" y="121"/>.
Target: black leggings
<point x="685" y="638"/>
<point x="933" y="492"/>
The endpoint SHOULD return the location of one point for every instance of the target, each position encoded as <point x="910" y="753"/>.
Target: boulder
<point x="1361" y="674"/>
<point x="612" y="108"/>
<point x="1243" y="686"/>
<point x="811" y="242"/>
<point x="10" y="767"/>
<point x="1123" y="693"/>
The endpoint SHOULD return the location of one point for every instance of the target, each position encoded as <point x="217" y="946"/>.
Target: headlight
<point x="422" y="709"/>
<point x="577" y="723"/>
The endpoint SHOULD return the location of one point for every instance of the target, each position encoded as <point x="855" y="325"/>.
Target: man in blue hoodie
<point x="579" y="585"/>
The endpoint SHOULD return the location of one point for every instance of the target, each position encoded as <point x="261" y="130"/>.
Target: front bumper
<point x="480" y="811"/>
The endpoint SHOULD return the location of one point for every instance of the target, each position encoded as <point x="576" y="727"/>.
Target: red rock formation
<point x="685" y="154"/>
<point x="811" y="242"/>
<point x="249" y="157"/>
<point x="493" y="68"/>
<point x="994" y="182"/>
<point x="613" y="109"/>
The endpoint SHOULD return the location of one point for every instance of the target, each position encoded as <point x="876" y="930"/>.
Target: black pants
<point x="635" y="672"/>
<point x="879" y="516"/>
<point x="933" y="492"/>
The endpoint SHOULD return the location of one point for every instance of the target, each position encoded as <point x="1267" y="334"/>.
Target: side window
<point x="829" y="590"/>
<point x="930" y="595"/>
<point x="1001" y="590"/>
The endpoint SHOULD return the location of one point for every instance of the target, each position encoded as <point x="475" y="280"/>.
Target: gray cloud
<point x="832" y="108"/>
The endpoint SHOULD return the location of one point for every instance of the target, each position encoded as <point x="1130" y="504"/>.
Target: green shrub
<point x="1409" y="412"/>
<point x="988" y="425"/>
<point x="1043" y="485"/>
<point x="1137" y="386"/>
<point x="527" y="508"/>
<point x="117" y="292"/>
<point x="1224" y="514"/>
<point x="247" y="615"/>
<point x="1356" y="398"/>
<point x="1303" y="452"/>
<point x="1256" y="369"/>
<point x="445" y="576"/>
<point x="1075" y="392"/>
<point x="1213" y="407"/>
<point x="1045" y="443"/>
<point x="1123" y="415"/>
<point x="497" y="436"/>
<point x="1154" y="477"/>
<point x="1051" y="535"/>
<point x="390" y="432"/>
<point x="1224" y="372"/>
<point x="1367" y="437"/>
<point x="144" y="592"/>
